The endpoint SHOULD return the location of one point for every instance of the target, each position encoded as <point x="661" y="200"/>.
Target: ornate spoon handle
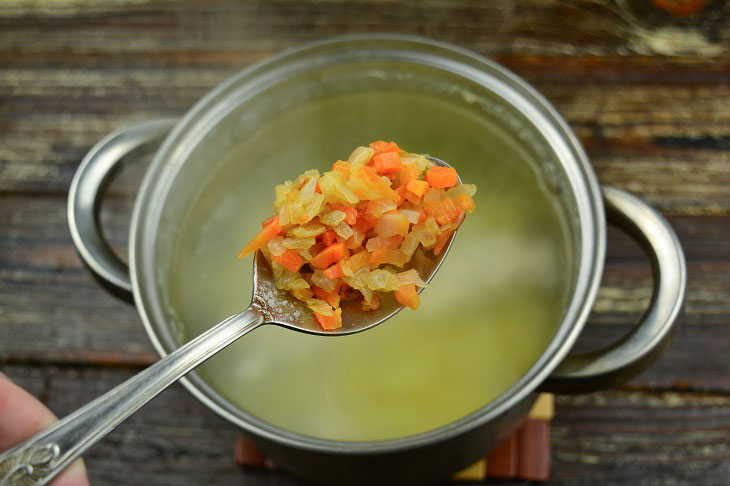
<point x="43" y="456"/>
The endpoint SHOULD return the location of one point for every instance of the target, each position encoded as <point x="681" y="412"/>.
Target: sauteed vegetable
<point x="349" y="233"/>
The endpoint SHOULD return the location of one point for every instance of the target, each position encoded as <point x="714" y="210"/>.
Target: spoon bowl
<point x="40" y="458"/>
<point x="278" y="307"/>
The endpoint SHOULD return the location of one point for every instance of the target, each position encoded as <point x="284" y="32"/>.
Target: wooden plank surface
<point x="615" y="437"/>
<point x="648" y="93"/>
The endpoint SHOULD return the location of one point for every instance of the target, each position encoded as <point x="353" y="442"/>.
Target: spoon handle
<point x="43" y="456"/>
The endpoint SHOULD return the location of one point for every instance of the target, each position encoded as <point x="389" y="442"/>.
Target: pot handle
<point x="85" y="194"/>
<point x="617" y="363"/>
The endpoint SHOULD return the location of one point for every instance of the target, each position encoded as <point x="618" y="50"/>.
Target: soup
<point x="491" y="311"/>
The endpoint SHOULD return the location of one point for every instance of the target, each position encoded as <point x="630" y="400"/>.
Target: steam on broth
<point x="493" y="308"/>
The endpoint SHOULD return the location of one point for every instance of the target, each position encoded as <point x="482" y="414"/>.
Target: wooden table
<point x="646" y="90"/>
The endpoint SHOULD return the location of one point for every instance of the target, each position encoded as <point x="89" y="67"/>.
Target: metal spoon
<point x="40" y="458"/>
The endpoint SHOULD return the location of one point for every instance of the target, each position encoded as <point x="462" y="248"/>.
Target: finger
<point x="22" y="416"/>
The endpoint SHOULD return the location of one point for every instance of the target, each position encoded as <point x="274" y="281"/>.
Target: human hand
<point x="22" y="416"/>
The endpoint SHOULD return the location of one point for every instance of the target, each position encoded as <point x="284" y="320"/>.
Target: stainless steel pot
<point x="266" y="89"/>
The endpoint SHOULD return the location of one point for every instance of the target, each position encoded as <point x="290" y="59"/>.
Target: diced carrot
<point x="342" y="167"/>
<point x="408" y="173"/>
<point x="357" y="261"/>
<point x="396" y="240"/>
<point x="317" y="247"/>
<point x="317" y="189"/>
<point x="333" y="253"/>
<point x="417" y="187"/>
<point x="465" y="203"/>
<point x="442" y="177"/>
<point x="441" y="240"/>
<point x="266" y="222"/>
<point x="387" y="163"/>
<point x="443" y="210"/>
<point x="332" y="298"/>
<point x="402" y="194"/>
<point x="329" y="237"/>
<point x="350" y="215"/>
<point x="333" y="272"/>
<point x="364" y="222"/>
<point x="382" y="147"/>
<point x="270" y="230"/>
<point x="330" y="323"/>
<point x="407" y="296"/>
<point x="389" y="256"/>
<point x="290" y="259"/>
<point x="412" y="198"/>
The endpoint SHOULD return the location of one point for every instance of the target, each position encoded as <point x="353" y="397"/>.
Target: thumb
<point x="22" y="416"/>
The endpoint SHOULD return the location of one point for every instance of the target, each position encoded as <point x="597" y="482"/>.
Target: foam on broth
<point x="493" y="308"/>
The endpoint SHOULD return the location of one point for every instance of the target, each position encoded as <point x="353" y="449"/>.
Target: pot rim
<point x="591" y="249"/>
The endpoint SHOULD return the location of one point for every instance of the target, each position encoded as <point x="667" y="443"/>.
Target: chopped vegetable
<point x="442" y="177"/>
<point x="289" y="259"/>
<point x="408" y="296"/>
<point x="353" y="230"/>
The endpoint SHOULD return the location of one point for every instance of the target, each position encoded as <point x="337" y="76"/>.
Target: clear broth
<point x="493" y="308"/>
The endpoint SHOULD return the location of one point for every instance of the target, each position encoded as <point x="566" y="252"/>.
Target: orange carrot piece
<point x="329" y="237"/>
<point x="266" y="222"/>
<point x="292" y="260"/>
<point x="407" y="296"/>
<point x="342" y="167"/>
<point x="387" y="163"/>
<point x="442" y="177"/>
<point x="332" y="298"/>
<point x="270" y="230"/>
<point x="389" y="256"/>
<point x="443" y="210"/>
<point x="334" y="271"/>
<point x="364" y="222"/>
<point x="417" y="187"/>
<point x="441" y="240"/>
<point x="383" y="147"/>
<point x="412" y="198"/>
<point x="402" y="194"/>
<point x="330" y="323"/>
<point x="333" y="253"/>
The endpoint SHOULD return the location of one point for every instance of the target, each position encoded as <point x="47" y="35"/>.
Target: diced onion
<point x="320" y="307"/>
<point x="344" y="230"/>
<point x="333" y="218"/>
<point x="297" y="243"/>
<point x="276" y="245"/>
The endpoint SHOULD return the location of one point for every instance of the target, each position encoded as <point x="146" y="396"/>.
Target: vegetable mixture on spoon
<point x="350" y="232"/>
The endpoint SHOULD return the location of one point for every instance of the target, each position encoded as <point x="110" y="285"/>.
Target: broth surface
<point x="491" y="311"/>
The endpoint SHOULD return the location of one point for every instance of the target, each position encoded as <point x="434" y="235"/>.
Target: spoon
<point x="40" y="458"/>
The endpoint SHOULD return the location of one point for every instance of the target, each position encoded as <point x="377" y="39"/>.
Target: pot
<point x="233" y="110"/>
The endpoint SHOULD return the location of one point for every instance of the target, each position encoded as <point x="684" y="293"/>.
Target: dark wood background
<point x="644" y="85"/>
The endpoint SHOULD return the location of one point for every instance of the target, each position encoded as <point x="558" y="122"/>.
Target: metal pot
<point x="349" y="64"/>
